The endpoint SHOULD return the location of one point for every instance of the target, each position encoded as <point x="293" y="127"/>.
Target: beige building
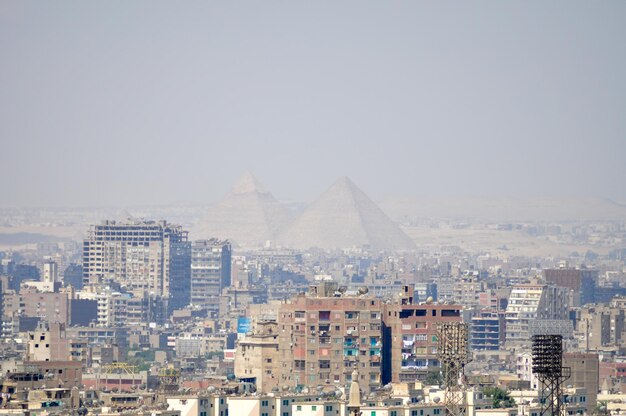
<point x="48" y="306"/>
<point x="601" y="326"/>
<point x="48" y="344"/>
<point x="585" y="373"/>
<point x="257" y="358"/>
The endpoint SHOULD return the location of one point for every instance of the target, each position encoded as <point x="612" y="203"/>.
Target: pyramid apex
<point x="248" y="183"/>
<point x="344" y="180"/>
<point x="344" y="183"/>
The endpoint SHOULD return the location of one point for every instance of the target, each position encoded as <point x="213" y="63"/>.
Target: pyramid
<point x="248" y="216"/>
<point x="344" y="217"/>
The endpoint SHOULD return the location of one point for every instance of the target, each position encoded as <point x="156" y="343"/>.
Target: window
<point x="264" y="403"/>
<point x="314" y="408"/>
<point x="436" y="411"/>
<point x="394" y="413"/>
<point x="413" y="412"/>
<point x="329" y="408"/>
<point x="285" y="402"/>
<point x="298" y="408"/>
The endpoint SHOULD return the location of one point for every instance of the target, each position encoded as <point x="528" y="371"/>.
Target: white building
<point x="529" y="303"/>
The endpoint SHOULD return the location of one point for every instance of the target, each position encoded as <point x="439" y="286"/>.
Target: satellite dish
<point x="436" y="399"/>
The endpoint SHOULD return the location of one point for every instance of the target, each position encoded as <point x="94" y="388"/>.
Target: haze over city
<point x="118" y="104"/>
<point x="312" y="208"/>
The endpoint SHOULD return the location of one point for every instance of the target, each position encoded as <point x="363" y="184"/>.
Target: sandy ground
<point x="511" y="243"/>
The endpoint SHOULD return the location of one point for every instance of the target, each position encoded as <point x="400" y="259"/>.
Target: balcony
<point x="324" y="340"/>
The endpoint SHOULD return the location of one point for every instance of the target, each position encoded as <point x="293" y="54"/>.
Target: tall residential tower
<point x="210" y="272"/>
<point x="144" y="257"/>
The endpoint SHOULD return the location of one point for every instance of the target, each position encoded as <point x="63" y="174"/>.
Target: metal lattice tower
<point x="453" y="352"/>
<point x="548" y="366"/>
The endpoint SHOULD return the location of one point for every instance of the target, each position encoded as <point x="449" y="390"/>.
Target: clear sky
<point x="149" y="102"/>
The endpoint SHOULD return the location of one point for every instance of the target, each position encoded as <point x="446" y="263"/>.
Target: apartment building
<point x="210" y="272"/>
<point x="581" y="282"/>
<point x="142" y="256"/>
<point x="529" y="303"/>
<point x="487" y="330"/>
<point x="410" y="337"/>
<point x="600" y="327"/>
<point x="324" y="336"/>
<point x="257" y="359"/>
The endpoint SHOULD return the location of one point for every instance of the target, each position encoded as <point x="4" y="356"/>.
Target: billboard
<point x="243" y="325"/>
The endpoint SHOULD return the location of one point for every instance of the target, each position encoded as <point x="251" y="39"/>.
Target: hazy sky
<point x="133" y="102"/>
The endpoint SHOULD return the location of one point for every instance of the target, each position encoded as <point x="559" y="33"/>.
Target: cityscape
<point x="312" y="208"/>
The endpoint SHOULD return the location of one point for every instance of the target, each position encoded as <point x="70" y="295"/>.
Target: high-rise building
<point x="581" y="282"/>
<point x="531" y="303"/>
<point x="210" y="272"/>
<point x="324" y="336"/>
<point x="142" y="256"/>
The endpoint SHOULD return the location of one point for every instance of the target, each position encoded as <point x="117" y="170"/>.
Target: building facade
<point x="410" y="337"/>
<point x="142" y="256"/>
<point x="210" y="272"/>
<point x="581" y="282"/>
<point x="530" y="303"/>
<point x="324" y="337"/>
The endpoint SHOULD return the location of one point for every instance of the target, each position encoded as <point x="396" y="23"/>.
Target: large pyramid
<point x="345" y="217"/>
<point x="248" y="216"/>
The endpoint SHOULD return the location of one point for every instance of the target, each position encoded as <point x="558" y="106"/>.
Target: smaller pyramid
<point x="248" y="183"/>
<point x="345" y="217"/>
<point x="248" y="216"/>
